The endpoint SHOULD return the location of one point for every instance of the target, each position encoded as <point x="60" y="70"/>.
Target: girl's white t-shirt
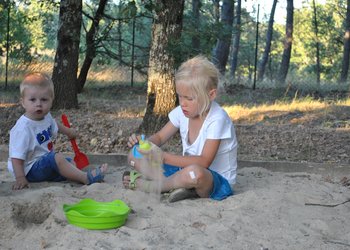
<point x="29" y="140"/>
<point x="217" y="125"/>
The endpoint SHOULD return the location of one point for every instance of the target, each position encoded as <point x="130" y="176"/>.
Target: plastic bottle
<point x="143" y="144"/>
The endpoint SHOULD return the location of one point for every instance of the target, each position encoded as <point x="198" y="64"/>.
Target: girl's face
<point x="188" y="101"/>
<point x="37" y="102"/>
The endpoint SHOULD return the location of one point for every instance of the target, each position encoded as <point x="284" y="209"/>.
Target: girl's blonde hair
<point x="37" y="79"/>
<point x="201" y="76"/>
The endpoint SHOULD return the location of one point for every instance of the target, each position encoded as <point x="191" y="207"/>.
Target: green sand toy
<point x="91" y="214"/>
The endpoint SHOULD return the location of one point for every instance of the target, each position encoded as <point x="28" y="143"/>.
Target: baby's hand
<point x="21" y="182"/>
<point x="72" y="133"/>
<point x="133" y="139"/>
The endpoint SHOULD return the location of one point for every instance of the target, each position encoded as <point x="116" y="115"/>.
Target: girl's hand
<point x="152" y="148"/>
<point x="21" y="182"/>
<point x="133" y="139"/>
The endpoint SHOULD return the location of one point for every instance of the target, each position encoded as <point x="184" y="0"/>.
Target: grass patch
<point x="296" y="111"/>
<point x="9" y="96"/>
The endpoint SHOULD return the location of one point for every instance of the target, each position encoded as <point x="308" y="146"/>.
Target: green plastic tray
<point x="91" y="214"/>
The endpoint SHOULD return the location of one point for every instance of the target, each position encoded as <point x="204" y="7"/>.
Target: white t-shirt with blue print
<point x="30" y="140"/>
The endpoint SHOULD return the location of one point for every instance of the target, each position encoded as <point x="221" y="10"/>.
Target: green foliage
<point x="330" y="17"/>
<point x="127" y="9"/>
<point x="34" y="25"/>
<point x="30" y="29"/>
<point x="207" y="31"/>
<point x="329" y="37"/>
<point x="116" y="35"/>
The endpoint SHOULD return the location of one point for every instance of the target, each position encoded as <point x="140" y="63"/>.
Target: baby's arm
<point x="21" y="180"/>
<point x="71" y="133"/>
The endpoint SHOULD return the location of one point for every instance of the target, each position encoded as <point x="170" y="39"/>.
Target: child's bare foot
<point x="133" y="180"/>
<point x="96" y="175"/>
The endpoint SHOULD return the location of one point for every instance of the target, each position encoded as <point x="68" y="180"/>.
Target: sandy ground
<point x="270" y="210"/>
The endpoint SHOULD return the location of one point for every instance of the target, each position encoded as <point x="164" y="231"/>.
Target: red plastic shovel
<point x="81" y="160"/>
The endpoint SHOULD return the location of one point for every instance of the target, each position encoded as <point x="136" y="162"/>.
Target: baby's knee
<point x="59" y="157"/>
<point x="61" y="160"/>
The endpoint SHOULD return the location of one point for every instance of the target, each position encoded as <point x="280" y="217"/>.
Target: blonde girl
<point x="207" y="166"/>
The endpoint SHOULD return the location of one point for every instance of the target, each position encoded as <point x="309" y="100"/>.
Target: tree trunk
<point x="318" y="62"/>
<point x="65" y="69"/>
<point x="196" y="5"/>
<point x="265" y="56"/>
<point x="237" y="38"/>
<point x="91" y="45"/>
<point x="222" y="48"/>
<point x="216" y="5"/>
<point x="120" y="38"/>
<point x="346" y="50"/>
<point x="281" y="78"/>
<point x="161" y="95"/>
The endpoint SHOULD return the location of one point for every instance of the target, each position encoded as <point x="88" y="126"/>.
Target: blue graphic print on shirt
<point x="44" y="136"/>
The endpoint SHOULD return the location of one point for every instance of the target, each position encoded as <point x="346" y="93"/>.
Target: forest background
<point x="285" y="84"/>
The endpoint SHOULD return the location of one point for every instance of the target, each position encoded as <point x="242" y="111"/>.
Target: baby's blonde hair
<point x="37" y="79"/>
<point x="201" y="76"/>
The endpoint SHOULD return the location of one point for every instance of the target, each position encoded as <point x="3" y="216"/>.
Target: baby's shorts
<point x="45" y="169"/>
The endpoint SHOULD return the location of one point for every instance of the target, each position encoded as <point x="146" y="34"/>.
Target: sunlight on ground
<point x="304" y="110"/>
<point x="7" y="105"/>
<point x="99" y="76"/>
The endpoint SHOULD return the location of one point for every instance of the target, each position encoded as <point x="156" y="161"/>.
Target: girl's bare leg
<point x="150" y="166"/>
<point x="190" y="177"/>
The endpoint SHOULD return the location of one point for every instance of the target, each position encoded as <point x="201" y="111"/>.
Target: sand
<point x="270" y="210"/>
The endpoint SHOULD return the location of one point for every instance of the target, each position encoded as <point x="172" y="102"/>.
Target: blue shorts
<point x="45" y="169"/>
<point x="221" y="188"/>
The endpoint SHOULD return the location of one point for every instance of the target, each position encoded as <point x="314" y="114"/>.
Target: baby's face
<point x="37" y="102"/>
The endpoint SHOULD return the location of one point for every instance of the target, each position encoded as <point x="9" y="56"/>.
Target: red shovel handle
<point x="65" y="121"/>
<point x="74" y="143"/>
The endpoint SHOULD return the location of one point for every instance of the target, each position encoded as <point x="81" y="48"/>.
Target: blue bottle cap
<point x="135" y="152"/>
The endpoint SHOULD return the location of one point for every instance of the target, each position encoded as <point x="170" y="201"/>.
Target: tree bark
<point x="222" y="48"/>
<point x="161" y="95"/>
<point x="91" y="45"/>
<point x="65" y="69"/>
<point x="196" y="5"/>
<point x="265" y="56"/>
<point x="216" y="5"/>
<point x="346" y="49"/>
<point x="281" y="78"/>
<point x="318" y="62"/>
<point x="236" y="41"/>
